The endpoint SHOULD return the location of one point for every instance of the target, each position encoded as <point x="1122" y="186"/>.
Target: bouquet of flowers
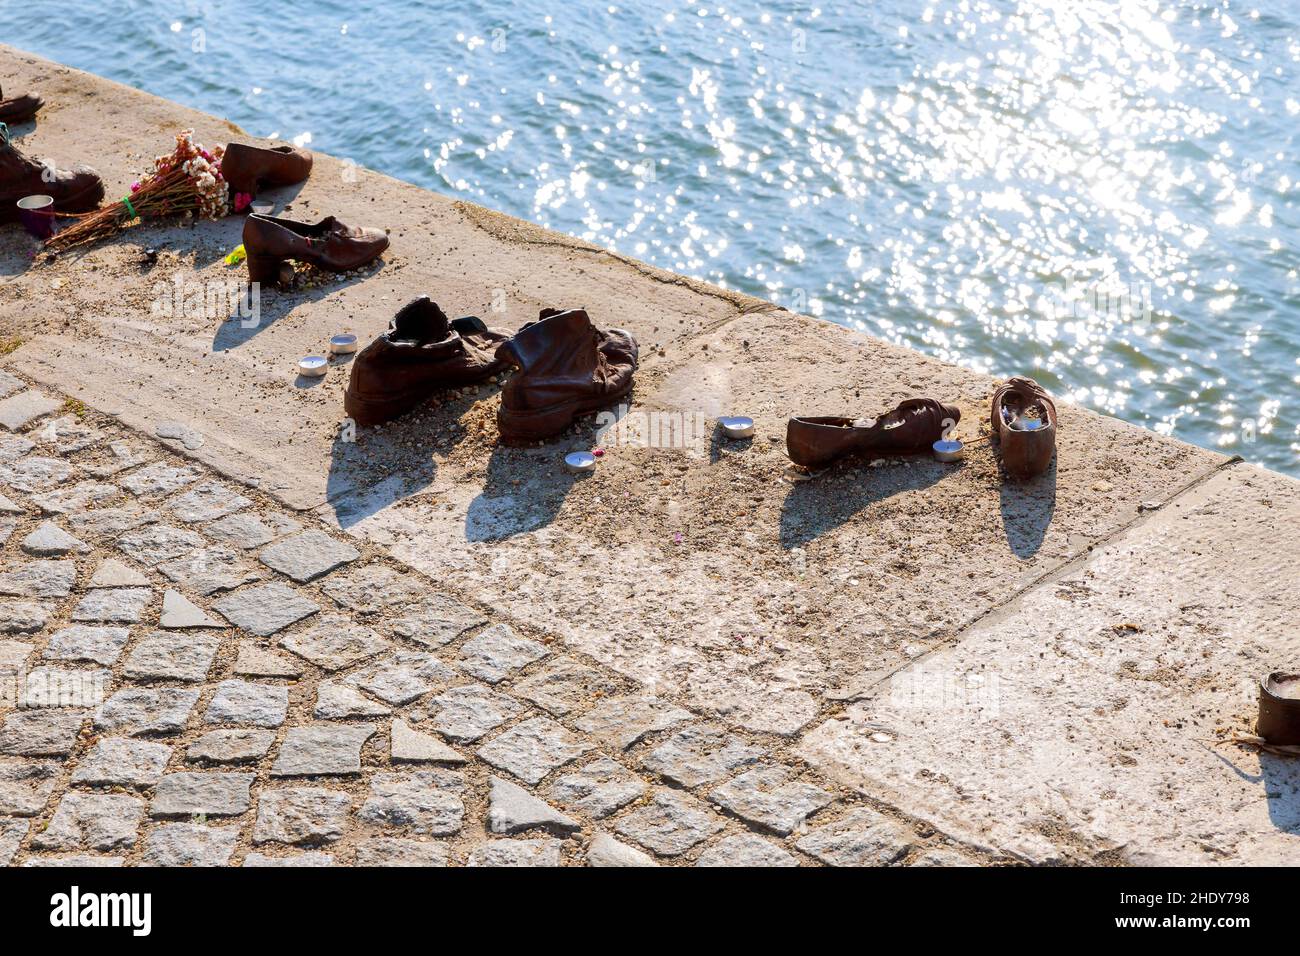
<point x="187" y="182"/>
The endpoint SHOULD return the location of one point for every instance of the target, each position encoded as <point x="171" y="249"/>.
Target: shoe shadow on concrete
<point x="18" y="250"/>
<point x="374" y="469"/>
<point x="1027" y="508"/>
<point x="272" y="305"/>
<point x="814" y="507"/>
<point x="523" y="490"/>
<point x="1282" y="790"/>
<point x="1279" y="777"/>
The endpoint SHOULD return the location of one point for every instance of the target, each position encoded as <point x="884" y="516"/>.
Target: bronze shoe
<point x="329" y="244"/>
<point x="421" y="353"/>
<point x="247" y="169"/>
<point x="909" y="429"/>
<point x="74" y="190"/>
<point x="1024" y="425"/>
<point x="566" y="368"/>
<point x="19" y="109"/>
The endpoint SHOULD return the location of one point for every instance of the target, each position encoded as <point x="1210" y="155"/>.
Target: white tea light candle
<point x="343" y="344"/>
<point x="737" y="426"/>
<point x="580" y="462"/>
<point x="949" y="449"/>
<point x="313" y="366"/>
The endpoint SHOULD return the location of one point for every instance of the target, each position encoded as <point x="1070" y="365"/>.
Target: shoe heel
<point x="264" y="269"/>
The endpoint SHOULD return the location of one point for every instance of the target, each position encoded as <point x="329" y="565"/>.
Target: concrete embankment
<point x="1040" y="672"/>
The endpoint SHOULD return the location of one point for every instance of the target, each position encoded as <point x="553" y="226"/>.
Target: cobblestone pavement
<point x="194" y="675"/>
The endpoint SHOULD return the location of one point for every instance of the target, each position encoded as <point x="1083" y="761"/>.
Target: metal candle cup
<point x="313" y="366"/>
<point x="36" y="213"/>
<point x="949" y="449"/>
<point x="344" y="344"/>
<point x="737" y="426"/>
<point x="580" y="462"/>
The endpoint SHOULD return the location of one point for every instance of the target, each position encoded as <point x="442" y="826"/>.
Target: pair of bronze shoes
<point x="269" y="241"/>
<point x="1023" y="419"/>
<point x="565" y="368"/>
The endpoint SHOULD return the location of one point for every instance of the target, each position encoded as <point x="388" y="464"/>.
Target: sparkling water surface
<point x="1100" y="194"/>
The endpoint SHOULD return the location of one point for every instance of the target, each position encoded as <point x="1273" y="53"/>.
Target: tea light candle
<point x="343" y="344"/>
<point x="262" y="208"/>
<point x="580" y="462"/>
<point x="948" y="449"/>
<point x="313" y="366"/>
<point x="737" y="426"/>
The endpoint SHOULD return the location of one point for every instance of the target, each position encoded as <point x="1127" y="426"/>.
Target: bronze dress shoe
<point x="1024" y="424"/>
<point x="421" y="353"/>
<point x="19" y="109"/>
<point x="566" y="368"/>
<point x="247" y="169"/>
<point x="909" y="429"/>
<point x="329" y="244"/>
<point x="74" y="190"/>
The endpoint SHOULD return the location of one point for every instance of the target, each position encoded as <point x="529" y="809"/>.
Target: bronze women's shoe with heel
<point x="566" y="368"/>
<point x="422" y="353"/>
<point x="329" y="244"/>
<point x="1024" y="424"/>
<point x="249" y="168"/>
<point x="911" y="428"/>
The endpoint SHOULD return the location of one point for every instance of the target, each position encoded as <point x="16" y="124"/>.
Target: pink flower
<point x="242" y="200"/>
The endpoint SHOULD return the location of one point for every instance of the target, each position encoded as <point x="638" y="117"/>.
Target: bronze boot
<point x="74" y="190"/>
<point x="421" y="353"/>
<point x="329" y="244"/>
<point x="566" y="368"/>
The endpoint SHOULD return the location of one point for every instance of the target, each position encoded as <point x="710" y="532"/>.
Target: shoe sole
<point x="549" y="422"/>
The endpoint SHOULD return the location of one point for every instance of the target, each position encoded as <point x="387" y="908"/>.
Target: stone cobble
<point x="225" y="683"/>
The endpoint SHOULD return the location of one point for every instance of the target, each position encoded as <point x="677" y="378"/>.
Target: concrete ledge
<point x="698" y="570"/>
